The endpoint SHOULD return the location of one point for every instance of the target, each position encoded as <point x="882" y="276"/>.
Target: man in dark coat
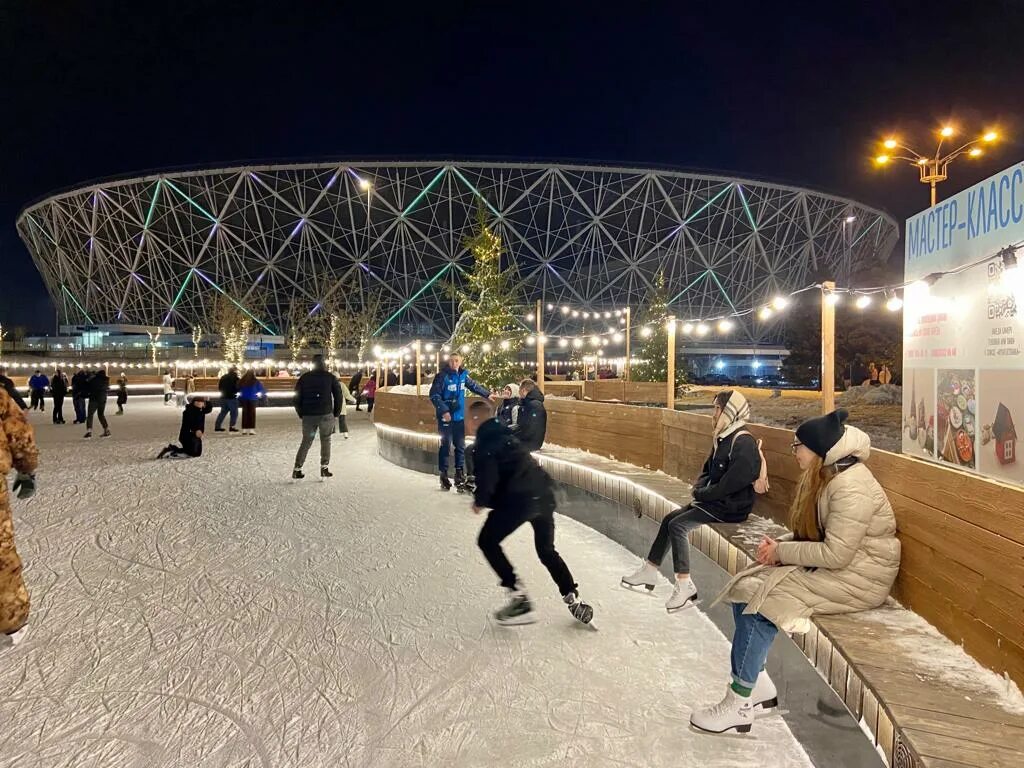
<point x="228" y="386"/>
<point x="79" y="394"/>
<point x="98" y="386"/>
<point x="517" y="490"/>
<point x="193" y="427"/>
<point x="533" y="419"/>
<point x="11" y="390"/>
<point x="59" y="390"/>
<point x="318" y="401"/>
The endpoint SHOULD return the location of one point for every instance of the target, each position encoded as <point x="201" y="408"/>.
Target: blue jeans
<point x="452" y="432"/>
<point x="750" y="643"/>
<point x="227" y="405"/>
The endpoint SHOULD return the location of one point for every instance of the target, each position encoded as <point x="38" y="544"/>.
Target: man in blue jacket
<point x="37" y="388"/>
<point x="448" y="394"/>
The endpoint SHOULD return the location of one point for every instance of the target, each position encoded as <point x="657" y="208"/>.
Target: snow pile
<point x="886" y="394"/>
<point x="407" y="389"/>
<point x="947" y="663"/>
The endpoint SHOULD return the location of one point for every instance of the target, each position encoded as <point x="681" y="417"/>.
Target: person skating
<point x="99" y="383"/>
<point x="122" y="392"/>
<point x="37" y="389"/>
<point x="79" y="394"/>
<point x="59" y="391"/>
<point x="346" y="400"/>
<point x="318" y="404"/>
<point x="370" y="393"/>
<point x="517" y="490"/>
<point x="18" y="451"/>
<point x="250" y="392"/>
<point x="724" y="493"/>
<point x="193" y="427"/>
<point x="448" y="394"/>
<point x="168" y="383"/>
<point x="11" y="390"/>
<point x="508" y="410"/>
<point x="842" y="557"/>
<point x="532" y="424"/>
<point x="228" y="387"/>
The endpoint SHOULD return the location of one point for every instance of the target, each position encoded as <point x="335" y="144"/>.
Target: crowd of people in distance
<point x="842" y="555"/>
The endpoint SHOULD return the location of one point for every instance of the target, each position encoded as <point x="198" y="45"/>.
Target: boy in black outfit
<point x="517" y="491"/>
<point x="193" y="425"/>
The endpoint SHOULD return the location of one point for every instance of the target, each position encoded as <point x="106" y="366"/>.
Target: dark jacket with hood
<point x="228" y="385"/>
<point x="507" y="477"/>
<point x="99" y="383"/>
<point x="507" y="412"/>
<point x="726" y="483"/>
<point x="59" y="385"/>
<point x="80" y="384"/>
<point x="533" y="420"/>
<point x="318" y="393"/>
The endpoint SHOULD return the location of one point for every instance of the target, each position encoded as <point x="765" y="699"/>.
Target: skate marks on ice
<point x="211" y="612"/>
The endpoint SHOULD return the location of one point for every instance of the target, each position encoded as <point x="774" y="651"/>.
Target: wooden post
<point x="671" y="383"/>
<point x="828" y="349"/>
<point x="401" y="367"/>
<point x="629" y="323"/>
<point x="419" y="373"/>
<point x="540" y="350"/>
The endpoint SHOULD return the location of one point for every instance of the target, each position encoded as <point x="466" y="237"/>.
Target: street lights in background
<point x="933" y="168"/>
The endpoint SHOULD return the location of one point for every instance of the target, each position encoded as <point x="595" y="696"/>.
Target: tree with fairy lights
<point x="489" y="332"/>
<point x="653" y="350"/>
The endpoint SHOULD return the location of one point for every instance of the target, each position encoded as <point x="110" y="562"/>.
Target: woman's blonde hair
<point x="803" y="514"/>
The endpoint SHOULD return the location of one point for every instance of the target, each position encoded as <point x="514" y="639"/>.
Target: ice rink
<point x="213" y="612"/>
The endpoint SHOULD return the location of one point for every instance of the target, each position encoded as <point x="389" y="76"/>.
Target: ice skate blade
<point x="767" y="704"/>
<point x="684" y="607"/>
<point x="517" y="621"/>
<point x="647" y="588"/>
<point x="741" y="731"/>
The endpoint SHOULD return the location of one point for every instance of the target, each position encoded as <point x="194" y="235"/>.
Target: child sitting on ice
<point x="193" y="425"/>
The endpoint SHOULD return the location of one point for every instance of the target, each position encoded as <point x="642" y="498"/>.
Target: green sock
<point x="742" y="690"/>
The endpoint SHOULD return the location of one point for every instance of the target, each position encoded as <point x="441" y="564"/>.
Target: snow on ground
<point x="212" y="612"/>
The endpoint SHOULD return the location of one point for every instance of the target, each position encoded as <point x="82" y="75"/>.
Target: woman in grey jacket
<point x="842" y="557"/>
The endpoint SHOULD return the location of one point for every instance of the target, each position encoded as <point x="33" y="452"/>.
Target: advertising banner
<point x="963" y="367"/>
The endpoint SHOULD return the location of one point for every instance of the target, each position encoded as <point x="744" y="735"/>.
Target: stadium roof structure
<point x="287" y="240"/>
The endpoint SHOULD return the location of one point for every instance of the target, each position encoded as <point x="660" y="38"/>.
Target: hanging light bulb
<point x="687" y="328"/>
<point x="550" y="307"/>
<point x="863" y="301"/>
<point x="565" y="310"/>
<point x="529" y="317"/>
<point x="466" y="348"/>
<point x="832" y="298"/>
<point x="563" y="343"/>
<point x="586" y="315"/>
<point x="618" y="313"/>
<point x="577" y="342"/>
<point x="486" y="347"/>
<point x="780" y="303"/>
<point x="646" y="331"/>
<point x="617" y="337"/>
<point x="506" y="344"/>
<point x="607" y="315"/>
<point x="531" y="340"/>
<point x="894" y="303"/>
<point x="595" y="341"/>
<point x="725" y="326"/>
<point x="575" y="313"/>
<point x="765" y="313"/>
<point x="702" y="329"/>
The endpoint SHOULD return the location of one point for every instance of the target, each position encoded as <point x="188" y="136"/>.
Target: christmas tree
<point x="654" y="350"/>
<point x="488" y="333"/>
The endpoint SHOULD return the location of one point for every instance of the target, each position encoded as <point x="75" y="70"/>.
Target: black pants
<point x="96" y="407"/>
<point x="36" y="400"/>
<point x="58" y="409"/>
<point x="190" y="446"/>
<point x="79" y="402"/>
<point x="369" y="405"/>
<point x="675" y="529"/>
<point x="501" y="523"/>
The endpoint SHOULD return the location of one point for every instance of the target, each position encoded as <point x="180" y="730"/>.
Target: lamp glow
<point x="863" y="302"/>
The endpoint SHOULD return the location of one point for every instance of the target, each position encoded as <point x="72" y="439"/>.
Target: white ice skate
<point x="518" y="611"/>
<point x="684" y="595"/>
<point x="764" y="696"/>
<point x="733" y="711"/>
<point x="646" y="577"/>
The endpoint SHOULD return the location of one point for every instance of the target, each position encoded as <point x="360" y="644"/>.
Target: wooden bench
<point x="887" y="665"/>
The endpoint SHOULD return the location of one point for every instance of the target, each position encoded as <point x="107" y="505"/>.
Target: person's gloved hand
<point x="24" y="486"/>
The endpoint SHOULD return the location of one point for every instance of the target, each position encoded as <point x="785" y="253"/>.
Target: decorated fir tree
<point x="653" y="350"/>
<point x="488" y="332"/>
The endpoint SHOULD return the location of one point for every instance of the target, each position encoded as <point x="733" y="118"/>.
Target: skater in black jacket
<point x="193" y="427"/>
<point x="532" y="423"/>
<point x="516" y="490"/>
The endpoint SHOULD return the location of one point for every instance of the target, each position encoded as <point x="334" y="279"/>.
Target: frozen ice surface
<point x="211" y="612"/>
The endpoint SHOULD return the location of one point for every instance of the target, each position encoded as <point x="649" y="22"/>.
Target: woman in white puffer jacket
<point x="842" y="557"/>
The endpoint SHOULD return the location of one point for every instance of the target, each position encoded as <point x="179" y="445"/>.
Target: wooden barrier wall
<point x="962" y="535"/>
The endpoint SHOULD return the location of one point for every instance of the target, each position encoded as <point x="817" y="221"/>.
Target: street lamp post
<point x="934" y="168"/>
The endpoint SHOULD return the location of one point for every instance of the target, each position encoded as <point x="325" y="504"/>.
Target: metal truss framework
<point x="161" y="249"/>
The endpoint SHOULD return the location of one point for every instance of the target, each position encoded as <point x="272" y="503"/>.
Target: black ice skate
<point x="460" y="481"/>
<point x="446" y="484"/>
<point x="518" y="611"/>
<point x="580" y="611"/>
<point x="297" y="474"/>
<point x="165" y="451"/>
<point x="325" y="472"/>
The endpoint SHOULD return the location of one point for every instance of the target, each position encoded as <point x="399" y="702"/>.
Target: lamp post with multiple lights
<point x="933" y="168"/>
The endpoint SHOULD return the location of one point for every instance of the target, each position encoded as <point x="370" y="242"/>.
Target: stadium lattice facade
<point x="286" y="239"/>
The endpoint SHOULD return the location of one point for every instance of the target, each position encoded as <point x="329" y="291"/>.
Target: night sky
<point x="796" y="94"/>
